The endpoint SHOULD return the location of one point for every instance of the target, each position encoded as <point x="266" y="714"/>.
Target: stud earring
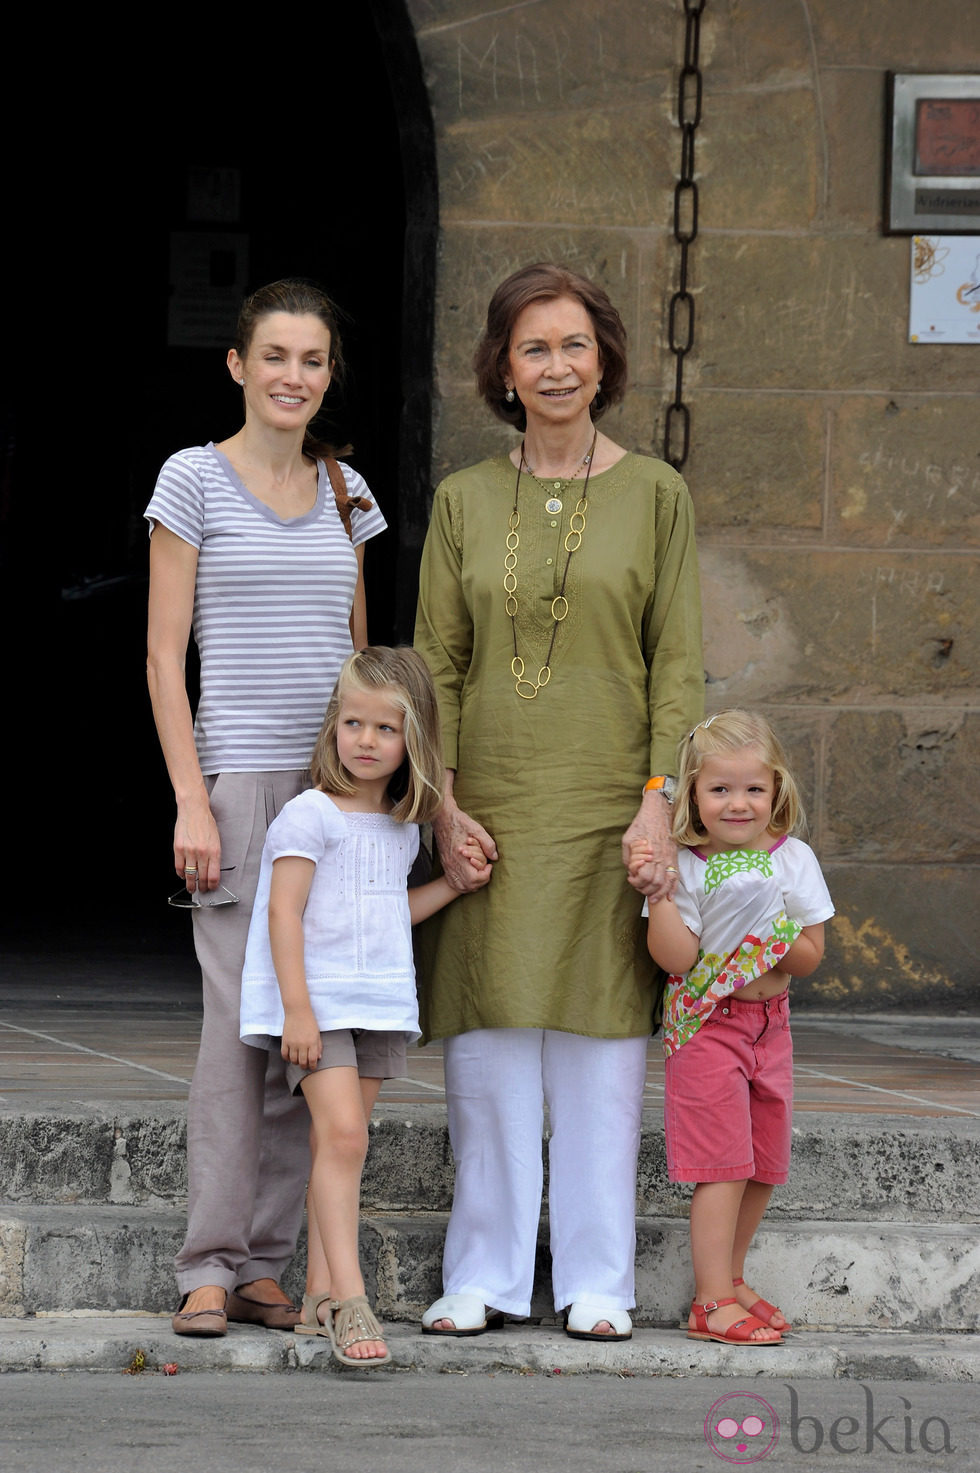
<point x="509" y="396"/>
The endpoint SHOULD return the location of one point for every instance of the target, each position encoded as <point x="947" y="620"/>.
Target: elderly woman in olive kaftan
<point x="541" y="984"/>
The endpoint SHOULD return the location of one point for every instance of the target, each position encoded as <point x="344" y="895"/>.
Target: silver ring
<point x="190" y="870"/>
<point x="670" y="870"/>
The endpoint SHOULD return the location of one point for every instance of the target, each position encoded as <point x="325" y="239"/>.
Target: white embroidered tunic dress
<point x="357" y="930"/>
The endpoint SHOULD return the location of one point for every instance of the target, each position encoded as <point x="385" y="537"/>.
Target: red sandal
<point x="740" y="1333"/>
<point x="764" y="1311"/>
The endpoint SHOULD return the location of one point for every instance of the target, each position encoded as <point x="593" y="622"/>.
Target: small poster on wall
<point x="932" y="157"/>
<point x="944" y="302"/>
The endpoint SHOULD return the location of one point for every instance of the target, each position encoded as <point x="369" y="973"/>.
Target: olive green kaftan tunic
<point x="555" y="940"/>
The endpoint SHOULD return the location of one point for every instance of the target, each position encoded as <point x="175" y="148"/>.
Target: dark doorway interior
<point x="319" y="140"/>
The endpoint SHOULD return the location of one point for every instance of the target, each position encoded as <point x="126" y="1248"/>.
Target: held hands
<point x="301" y="1041"/>
<point x="641" y="853"/>
<point x="466" y="849"/>
<point x="197" y="848"/>
<point x="649" y="853"/>
<point x="641" y="859"/>
<point x="472" y="852"/>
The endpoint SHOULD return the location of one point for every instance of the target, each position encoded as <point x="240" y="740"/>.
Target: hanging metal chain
<point x="680" y="317"/>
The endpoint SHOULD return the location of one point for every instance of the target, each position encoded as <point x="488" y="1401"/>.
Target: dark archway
<point x="326" y="162"/>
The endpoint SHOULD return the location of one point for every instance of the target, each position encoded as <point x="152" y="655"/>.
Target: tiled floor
<point x="73" y="1053"/>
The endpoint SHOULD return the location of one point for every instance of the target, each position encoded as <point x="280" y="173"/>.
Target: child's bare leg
<point x="370" y="1089"/>
<point x="755" y="1200"/>
<point x="318" y="1279"/>
<point x="752" y="1208"/>
<point x="715" y="1212"/>
<point x="317" y="1267"/>
<point x="339" y="1104"/>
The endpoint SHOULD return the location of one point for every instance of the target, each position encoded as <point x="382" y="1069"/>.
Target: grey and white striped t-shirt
<point x="271" y="608"/>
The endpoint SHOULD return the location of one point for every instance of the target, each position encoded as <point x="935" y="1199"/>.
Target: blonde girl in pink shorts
<point x="748" y="913"/>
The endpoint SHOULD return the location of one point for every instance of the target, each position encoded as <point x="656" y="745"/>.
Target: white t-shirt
<point x="357" y="930"/>
<point x="723" y="897"/>
<point x="272" y="606"/>
<point x="747" y="907"/>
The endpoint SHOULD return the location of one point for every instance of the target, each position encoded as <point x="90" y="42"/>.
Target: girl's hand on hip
<point x="197" y="847"/>
<point x="649" y="853"/>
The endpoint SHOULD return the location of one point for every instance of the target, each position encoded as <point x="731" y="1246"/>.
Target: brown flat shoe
<point x="261" y="1312"/>
<point x="208" y="1323"/>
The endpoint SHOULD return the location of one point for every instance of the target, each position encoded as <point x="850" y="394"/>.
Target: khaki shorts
<point x="375" y="1055"/>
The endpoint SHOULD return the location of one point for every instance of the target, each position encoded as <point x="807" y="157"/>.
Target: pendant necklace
<point x="527" y="688"/>
<point x="554" y="504"/>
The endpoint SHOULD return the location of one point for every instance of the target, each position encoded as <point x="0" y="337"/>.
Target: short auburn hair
<point x="542" y="282"/>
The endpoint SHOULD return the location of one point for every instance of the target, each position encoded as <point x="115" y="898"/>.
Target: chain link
<point x="527" y="688"/>
<point x="680" y="316"/>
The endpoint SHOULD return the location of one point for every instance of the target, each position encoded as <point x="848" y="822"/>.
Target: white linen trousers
<point x="497" y="1082"/>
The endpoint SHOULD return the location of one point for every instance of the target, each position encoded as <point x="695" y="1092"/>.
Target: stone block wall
<point x="834" y="466"/>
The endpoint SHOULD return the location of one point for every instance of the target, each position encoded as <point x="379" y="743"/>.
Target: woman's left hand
<point x="656" y="877"/>
<point x="466" y="850"/>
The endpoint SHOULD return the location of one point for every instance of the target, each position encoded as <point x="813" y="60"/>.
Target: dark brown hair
<point x="299" y="298"/>
<point x="545" y="281"/>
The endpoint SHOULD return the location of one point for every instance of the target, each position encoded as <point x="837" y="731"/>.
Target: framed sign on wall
<point x="932" y="154"/>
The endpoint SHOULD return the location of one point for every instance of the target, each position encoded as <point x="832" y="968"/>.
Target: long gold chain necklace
<point x="527" y="688"/>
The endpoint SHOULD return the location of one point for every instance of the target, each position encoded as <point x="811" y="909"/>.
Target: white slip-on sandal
<point x="468" y="1313"/>
<point x="581" y="1320"/>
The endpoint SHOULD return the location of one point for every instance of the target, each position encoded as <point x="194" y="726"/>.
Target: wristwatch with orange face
<point x="665" y="785"/>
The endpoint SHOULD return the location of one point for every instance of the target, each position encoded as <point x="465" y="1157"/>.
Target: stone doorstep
<point x="922" y="1278"/>
<point x="844" y="1166"/>
<point x="99" y="1343"/>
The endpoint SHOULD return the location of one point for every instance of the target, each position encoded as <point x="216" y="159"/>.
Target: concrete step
<point x="845" y="1168"/>
<point x="921" y="1277"/>
<point x="98" y="1343"/>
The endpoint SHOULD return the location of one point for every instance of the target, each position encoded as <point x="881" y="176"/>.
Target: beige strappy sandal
<point x="313" y="1325"/>
<point x="352" y="1322"/>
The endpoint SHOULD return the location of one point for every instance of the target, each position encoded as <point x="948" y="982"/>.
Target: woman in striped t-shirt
<point x="249" y="550"/>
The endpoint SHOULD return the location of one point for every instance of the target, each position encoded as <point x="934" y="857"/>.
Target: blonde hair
<point x="416" y="789"/>
<point x="733" y="731"/>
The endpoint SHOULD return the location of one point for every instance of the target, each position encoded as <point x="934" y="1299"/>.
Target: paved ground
<point x="407" y="1423"/>
<point x="80" y="1028"/>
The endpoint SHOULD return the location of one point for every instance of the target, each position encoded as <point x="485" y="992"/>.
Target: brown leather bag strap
<point x="345" y="502"/>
